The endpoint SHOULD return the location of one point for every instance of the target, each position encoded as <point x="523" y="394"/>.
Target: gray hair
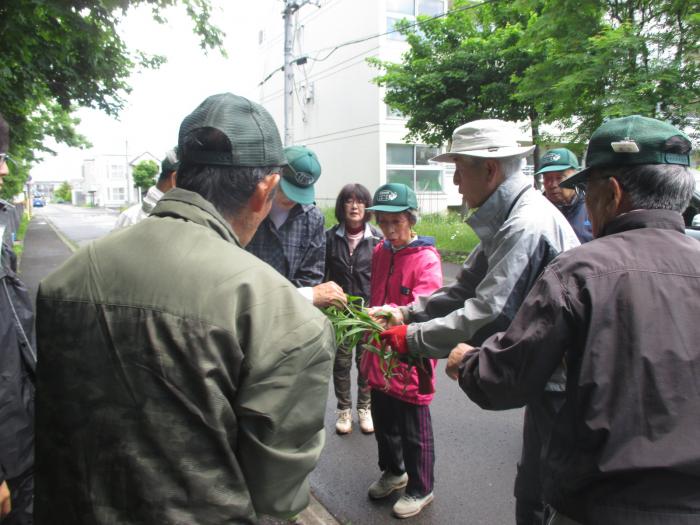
<point x="411" y="214"/>
<point x="655" y="186"/>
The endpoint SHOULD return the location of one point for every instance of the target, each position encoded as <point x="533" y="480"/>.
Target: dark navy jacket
<point x="575" y="212"/>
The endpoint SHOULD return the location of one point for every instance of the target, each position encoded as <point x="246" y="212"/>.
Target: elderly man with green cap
<point x="292" y="238"/>
<point x="555" y="167"/>
<point x="180" y="378"/>
<point x="621" y="313"/>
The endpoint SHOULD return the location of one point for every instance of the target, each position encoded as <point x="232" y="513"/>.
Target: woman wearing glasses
<point x="349" y="246"/>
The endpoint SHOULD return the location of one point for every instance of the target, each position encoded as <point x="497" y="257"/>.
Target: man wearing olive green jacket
<point x="180" y="379"/>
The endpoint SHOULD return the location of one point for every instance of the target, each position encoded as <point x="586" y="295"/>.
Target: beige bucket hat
<point x="490" y="139"/>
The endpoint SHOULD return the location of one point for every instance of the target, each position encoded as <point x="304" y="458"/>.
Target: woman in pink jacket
<point x="404" y="266"/>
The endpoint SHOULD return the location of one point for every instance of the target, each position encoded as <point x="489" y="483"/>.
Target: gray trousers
<point x="342" y="381"/>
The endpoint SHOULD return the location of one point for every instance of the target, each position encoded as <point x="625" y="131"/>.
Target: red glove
<point x="395" y="337"/>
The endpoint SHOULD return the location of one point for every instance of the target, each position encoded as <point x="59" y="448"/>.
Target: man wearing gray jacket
<point x="520" y="233"/>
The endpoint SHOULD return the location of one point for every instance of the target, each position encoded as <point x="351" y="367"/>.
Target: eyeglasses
<point x="351" y="202"/>
<point x="4" y="157"/>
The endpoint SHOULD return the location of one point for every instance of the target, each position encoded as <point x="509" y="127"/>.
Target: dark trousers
<point x="341" y="379"/>
<point x="22" y="498"/>
<point x="537" y="427"/>
<point x="404" y="434"/>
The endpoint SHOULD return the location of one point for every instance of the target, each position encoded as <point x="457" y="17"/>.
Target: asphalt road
<point x="476" y="451"/>
<point x="79" y="225"/>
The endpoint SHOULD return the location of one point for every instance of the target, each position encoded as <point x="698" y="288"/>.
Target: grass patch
<point x="18" y="246"/>
<point x="454" y="239"/>
<point x="23" y="224"/>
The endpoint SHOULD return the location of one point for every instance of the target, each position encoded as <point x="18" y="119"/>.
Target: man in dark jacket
<point x="556" y="166"/>
<point x="17" y="366"/>
<point x="180" y="379"/>
<point x="621" y="312"/>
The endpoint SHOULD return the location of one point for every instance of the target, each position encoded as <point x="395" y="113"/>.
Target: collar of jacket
<point x="575" y="203"/>
<point x="151" y="199"/>
<point x="294" y="212"/>
<point x="419" y="242"/>
<point x="190" y="206"/>
<point x="491" y="215"/>
<point x="636" y="219"/>
<point x="340" y="231"/>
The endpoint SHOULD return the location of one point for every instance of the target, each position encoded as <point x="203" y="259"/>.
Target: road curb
<point x="316" y="514"/>
<point x="72" y="246"/>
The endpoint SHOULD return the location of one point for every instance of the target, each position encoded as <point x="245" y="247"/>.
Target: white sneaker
<point x="365" y="417"/>
<point x="408" y="506"/>
<point x="387" y="484"/>
<point x="343" y="424"/>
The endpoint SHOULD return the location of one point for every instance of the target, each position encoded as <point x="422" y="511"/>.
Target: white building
<point x="107" y="181"/>
<point x="338" y="111"/>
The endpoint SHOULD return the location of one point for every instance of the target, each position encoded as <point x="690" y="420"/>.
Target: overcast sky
<point x="161" y="99"/>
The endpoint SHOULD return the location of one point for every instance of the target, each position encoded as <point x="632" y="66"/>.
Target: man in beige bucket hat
<point x="520" y="233"/>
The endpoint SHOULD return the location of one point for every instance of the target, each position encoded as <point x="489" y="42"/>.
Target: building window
<point x="117" y="194"/>
<point x="116" y="172"/>
<point x="409" y="9"/>
<point x="408" y="164"/>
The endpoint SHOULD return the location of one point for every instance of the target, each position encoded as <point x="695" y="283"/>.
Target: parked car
<point x="691" y="215"/>
<point x="38" y="202"/>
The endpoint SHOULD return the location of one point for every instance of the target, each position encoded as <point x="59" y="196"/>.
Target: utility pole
<point x="290" y="8"/>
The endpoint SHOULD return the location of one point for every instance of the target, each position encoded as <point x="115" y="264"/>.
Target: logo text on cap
<point x="304" y="178"/>
<point x="386" y="195"/>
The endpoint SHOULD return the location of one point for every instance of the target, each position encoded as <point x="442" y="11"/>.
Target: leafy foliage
<point x="61" y="54"/>
<point x="64" y="192"/>
<point x="145" y="174"/>
<point x="574" y="63"/>
<point x="353" y="326"/>
<point x="459" y="68"/>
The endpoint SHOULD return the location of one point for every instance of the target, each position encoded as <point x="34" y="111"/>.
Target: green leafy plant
<point x="355" y="327"/>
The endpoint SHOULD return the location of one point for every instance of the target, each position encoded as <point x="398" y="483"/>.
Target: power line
<point x="414" y="24"/>
<point x="365" y="39"/>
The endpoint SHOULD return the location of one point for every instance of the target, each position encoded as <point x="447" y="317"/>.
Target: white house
<point x="338" y="111"/>
<point x="107" y="180"/>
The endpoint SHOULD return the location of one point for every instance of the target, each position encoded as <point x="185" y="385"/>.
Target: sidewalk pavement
<point x="45" y="249"/>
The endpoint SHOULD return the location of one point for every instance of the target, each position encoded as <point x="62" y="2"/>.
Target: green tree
<point x="460" y="68"/>
<point x="573" y="63"/>
<point x="60" y="55"/>
<point x="623" y="57"/>
<point x="64" y="192"/>
<point x="144" y="174"/>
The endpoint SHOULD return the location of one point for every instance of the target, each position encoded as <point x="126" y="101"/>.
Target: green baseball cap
<point x="631" y="141"/>
<point x="394" y="198"/>
<point x="300" y="174"/>
<point x="559" y="159"/>
<point x="255" y="140"/>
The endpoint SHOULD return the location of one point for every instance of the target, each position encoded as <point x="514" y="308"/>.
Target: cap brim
<point x="389" y="209"/>
<point x="515" y="151"/>
<point x="555" y="167"/>
<point x="571" y="182"/>
<point x="301" y="195"/>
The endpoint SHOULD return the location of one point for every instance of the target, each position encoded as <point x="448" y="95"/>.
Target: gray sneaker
<point x="387" y="484"/>
<point x="408" y="506"/>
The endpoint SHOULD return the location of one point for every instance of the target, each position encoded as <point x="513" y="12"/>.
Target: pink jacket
<point x="398" y="278"/>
